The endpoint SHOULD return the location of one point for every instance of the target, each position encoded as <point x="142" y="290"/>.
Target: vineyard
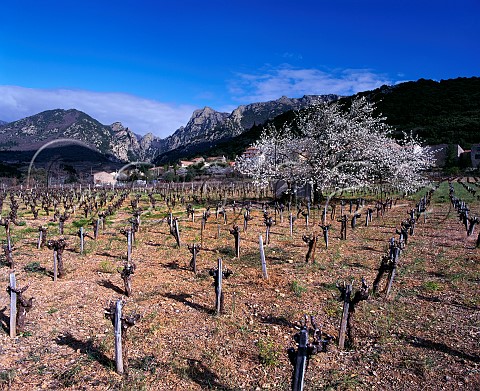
<point x="214" y="281"/>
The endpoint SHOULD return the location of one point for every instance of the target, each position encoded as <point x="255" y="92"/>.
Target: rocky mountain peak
<point x="117" y="127"/>
<point x="206" y="115"/>
<point x="208" y="125"/>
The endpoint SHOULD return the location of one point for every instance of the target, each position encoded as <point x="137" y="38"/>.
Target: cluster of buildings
<point x="444" y="154"/>
<point x="448" y="154"/>
<point x="211" y="166"/>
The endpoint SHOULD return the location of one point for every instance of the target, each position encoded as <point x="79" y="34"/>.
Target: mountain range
<point x="439" y="112"/>
<point x="119" y="142"/>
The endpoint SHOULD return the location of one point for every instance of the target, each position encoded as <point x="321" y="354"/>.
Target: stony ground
<point x="425" y="336"/>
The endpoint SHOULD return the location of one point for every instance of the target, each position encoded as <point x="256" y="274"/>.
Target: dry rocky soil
<point x="424" y="336"/>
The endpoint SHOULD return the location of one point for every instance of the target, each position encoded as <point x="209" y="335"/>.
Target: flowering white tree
<point x="269" y="156"/>
<point x="336" y="150"/>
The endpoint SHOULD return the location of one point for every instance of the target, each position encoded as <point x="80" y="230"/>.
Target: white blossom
<point x="337" y="150"/>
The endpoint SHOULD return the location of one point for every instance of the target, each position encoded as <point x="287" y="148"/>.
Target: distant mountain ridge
<point x="205" y="126"/>
<point x="32" y="132"/>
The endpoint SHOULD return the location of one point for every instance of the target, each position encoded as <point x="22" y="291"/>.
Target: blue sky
<point x="149" y="64"/>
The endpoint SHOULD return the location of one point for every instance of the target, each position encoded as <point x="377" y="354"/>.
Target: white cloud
<point x="293" y="82"/>
<point x="139" y="114"/>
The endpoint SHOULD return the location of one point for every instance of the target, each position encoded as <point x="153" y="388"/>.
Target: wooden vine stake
<point x="301" y="361"/>
<point x="121" y="324"/>
<point x="55" y="265"/>
<point x="218" y="288"/>
<point x="129" y="235"/>
<point x="13" y="306"/>
<point x="81" y="234"/>
<point x="291" y="225"/>
<point x="262" y="257"/>
<point x="118" y="337"/>
<point x="346" y="293"/>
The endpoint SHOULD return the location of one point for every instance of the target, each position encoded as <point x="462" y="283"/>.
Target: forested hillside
<point x="447" y="111"/>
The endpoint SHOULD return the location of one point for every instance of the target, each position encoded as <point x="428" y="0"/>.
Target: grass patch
<point x="106" y="266"/>
<point x="81" y="223"/>
<point x="228" y="251"/>
<point x="340" y="380"/>
<point x="332" y="308"/>
<point x="34" y="267"/>
<point x="297" y="288"/>
<point x="267" y="353"/>
<point x="7" y="376"/>
<point x="147" y="364"/>
<point x="71" y="376"/>
<point x="431" y="286"/>
<point x="29" y="230"/>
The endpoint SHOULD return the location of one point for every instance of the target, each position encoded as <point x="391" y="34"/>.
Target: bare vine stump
<point x="6" y="223"/>
<point x="343" y="227"/>
<point x="346" y="292"/>
<point x="311" y="240"/>
<point x="354" y="220"/>
<point x="190" y="212"/>
<point x="305" y="350"/>
<point x="384" y="266"/>
<point x="235" y="231"/>
<point x="388" y="264"/>
<point x="246" y="218"/>
<point x="42" y="237"/>
<point x="218" y="275"/>
<point x="58" y="246"/>
<point x="268" y="221"/>
<point x="174" y="231"/>
<point x="61" y="221"/>
<point x="8" y="256"/>
<point x="194" y="249"/>
<point x="95" y="228"/>
<point x="126" y="274"/>
<point x="347" y="325"/>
